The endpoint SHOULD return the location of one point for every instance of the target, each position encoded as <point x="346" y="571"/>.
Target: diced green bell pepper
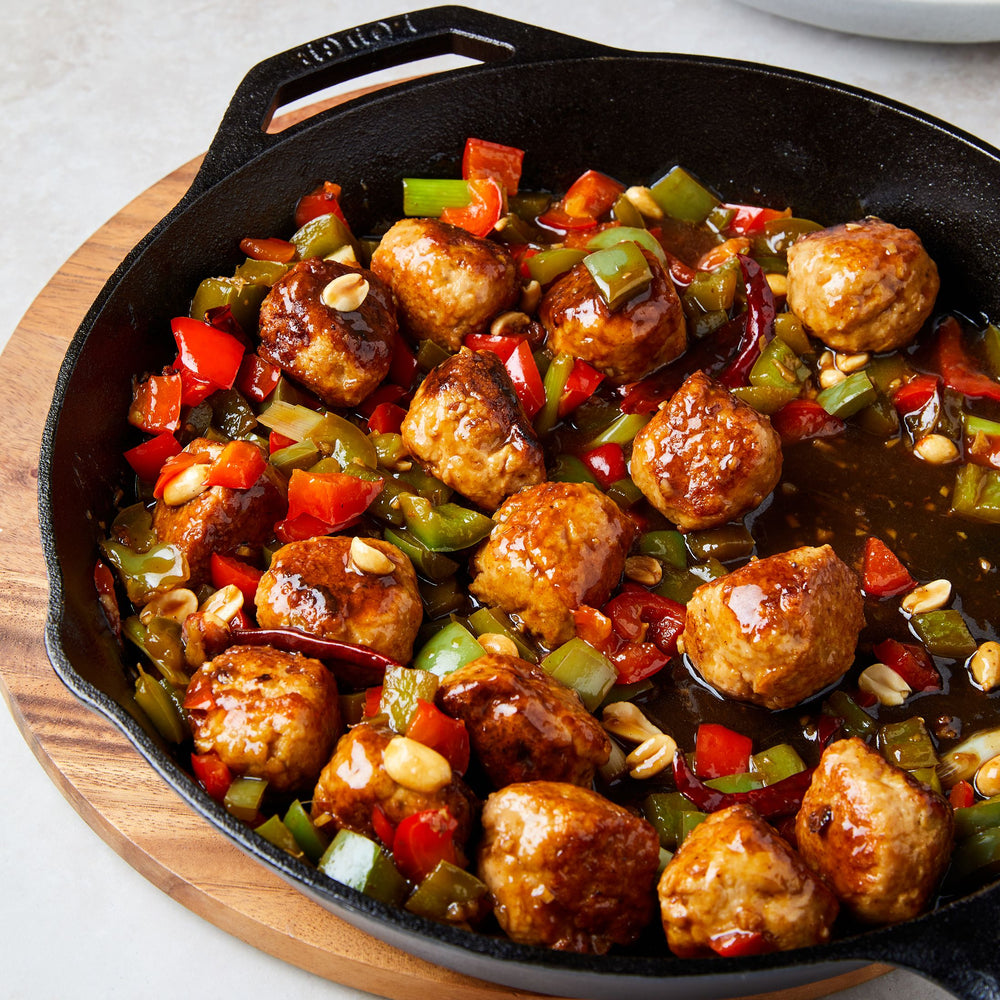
<point x="635" y="234"/>
<point x="848" y="397"/>
<point x="360" y="863"/>
<point x="732" y="783"/>
<point x="976" y="818"/>
<point x="711" y="291"/>
<point x="880" y="418"/>
<point x="160" y="568"/>
<point x="764" y="398"/>
<point x="321" y="236"/>
<point x="445" y="528"/>
<point x="664" y="544"/>
<point x="243" y="298"/>
<point x="300" y="455"/>
<point x="621" y="430"/>
<point x="570" y="469"/>
<point x="448" y="649"/>
<point x="680" y="584"/>
<point x="907" y="744"/>
<point x="789" y="328"/>
<point x="244" y="796"/>
<point x="430" y="354"/>
<point x="777" y="235"/>
<point x="275" y="832"/>
<point x="484" y="621"/>
<point x="546" y="266"/>
<point x="579" y="666"/>
<point x="857" y="722"/>
<point x="944" y="633"/>
<point x="402" y="688"/>
<point x="682" y="197"/>
<point x="424" y="484"/>
<point x="624" y="492"/>
<point x="778" y="367"/>
<point x="448" y="893"/>
<point x="442" y="598"/>
<point x="311" y="839"/>
<point x="776" y="763"/>
<point x="978" y="854"/>
<point x="433" y="565"/>
<point x="731" y="541"/>
<point x="991" y="349"/>
<point x="664" y="811"/>
<point x="160" y="640"/>
<point x="554" y="383"/>
<point x="977" y="493"/>
<point x="154" y="698"/>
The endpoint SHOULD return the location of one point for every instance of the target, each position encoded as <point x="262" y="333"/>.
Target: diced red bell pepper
<point x="802" y="419"/>
<point x="332" y="498"/>
<point x="403" y="368"/>
<point x="720" y="751"/>
<point x="147" y="458"/>
<point x="606" y="463"/>
<point x="490" y="159"/>
<point x="386" y="418"/>
<point x="912" y="662"/>
<point x="296" y="529"/>
<point x="238" y="467"/>
<point x="387" y="392"/>
<point x="882" y="574"/>
<point x="228" y="570"/>
<point x="268" y="248"/>
<point x="561" y="221"/>
<point x="173" y="467"/>
<point x="257" y="378"/>
<point x="591" y="195"/>
<point x="213" y="773"/>
<point x="581" y="384"/>
<point x="645" y="631"/>
<point x="373" y="699"/>
<point x="515" y="353"/>
<point x="199" y="696"/>
<point x="955" y="366"/>
<point x="384" y="828"/>
<point x="156" y="404"/>
<point x="322" y="200"/>
<point x="222" y="318"/>
<point x="740" y="943"/>
<point x="483" y="211"/>
<point x="210" y="354"/>
<point x="915" y="394"/>
<point x="962" y="795"/>
<point x="276" y="441"/>
<point x="750" y="219"/>
<point x="193" y="389"/>
<point x="448" y="736"/>
<point x="502" y="346"/>
<point x="422" y="841"/>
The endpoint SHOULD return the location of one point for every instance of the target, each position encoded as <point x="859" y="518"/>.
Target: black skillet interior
<point x="757" y="134"/>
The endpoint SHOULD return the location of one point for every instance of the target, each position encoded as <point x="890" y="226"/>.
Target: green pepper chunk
<point x="907" y="744"/>
<point x="430" y="355"/>
<point x="570" y="469"/>
<point x="547" y="265"/>
<point x="448" y="649"/>
<point x="665" y="544"/>
<point x="402" y="688"/>
<point x="624" y="492"/>
<point x="731" y="541"/>
<point x="627" y="214"/>
<point x="879" y="419"/>
<point x="232" y="413"/>
<point x="275" y="832"/>
<point x="635" y="234"/>
<point x="160" y="568"/>
<point x="711" y="291"/>
<point x="300" y="455"/>
<point x="244" y="796"/>
<point x="848" y="397"/>
<point x="977" y="855"/>
<point x="944" y="633"/>
<point x="579" y="666"/>
<point x="619" y="272"/>
<point x="242" y="296"/>
<point x="680" y="584"/>
<point x="732" y="783"/>
<point x="360" y="863"/>
<point x="777" y="235"/>
<point x="160" y="640"/>
<point x="310" y="838"/>
<point x="321" y="237"/>
<point x="426" y="485"/>
<point x="448" y="893"/>
<point x="352" y="707"/>
<point x="789" y="328"/>
<point x="491" y="621"/>
<point x="778" y="367"/>
<point x="442" y="598"/>
<point x="622" y="429"/>
<point x="857" y="722"/>
<point x="434" y="566"/>
<point x="776" y="763"/>
<point x="154" y="699"/>
<point x="553" y="384"/>
<point x="991" y="349"/>
<point x="764" y="398"/>
<point x="445" y="528"/>
<point x="664" y="811"/>
<point x="976" y="818"/>
<point x="682" y="197"/>
<point x="977" y="493"/>
<point x="389" y="449"/>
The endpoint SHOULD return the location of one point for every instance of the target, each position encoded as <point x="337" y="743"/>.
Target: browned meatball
<point x="266" y="713"/>
<point x="862" y="286"/>
<point x="555" y="546"/>
<point x="523" y="725"/>
<point x="220" y="519"/>
<point x="567" y="868"/>
<point x="468" y="428"/>
<point x="734" y="876"/>
<point x="340" y="351"/>
<point x="777" y="630"/>
<point x="447" y="282"/>
<point x="355" y="781"/>
<point x="880" y="838"/>
<point x="706" y="457"/>
<point x="644" y="334"/>
<point x="316" y="586"/>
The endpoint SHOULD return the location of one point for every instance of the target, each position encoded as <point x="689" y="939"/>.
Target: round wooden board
<point x="91" y="762"/>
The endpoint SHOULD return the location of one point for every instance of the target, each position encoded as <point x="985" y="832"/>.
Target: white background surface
<point x="101" y="100"/>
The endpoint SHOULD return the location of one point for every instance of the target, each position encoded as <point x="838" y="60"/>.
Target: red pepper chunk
<point x="483" y="211"/>
<point x="386" y="418"/>
<point x="581" y="384"/>
<point x="448" y="736"/>
<point x="482" y="158"/>
<point x="213" y="773"/>
<point x="606" y="463"/>
<point x="637" y="616"/>
<point x="257" y="378"/>
<point x="720" y="751"/>
<point x="591" y="195"/>
<point x="156" y="404"/>
<point x="955" y="366"/>
<point x="738" y="943"/>
<point x="422" y="841"/>
<point x="912" y="662"/>
<point x="384" y="829"/>
<point x="268" y="248"/>
<point x="238" y="467"/>
<point x="749" y="219"/>
<point x="515" y="353"/>
<point x="882" y="574"/>
<point x="915" y="394"/>
<point x="322" y="200"/>
<point x="332" y="498"/>
<point x="228" y="570"/>
<point x="802" y="419"/>
<point x="961" y="795"/>
<point x="147" y="458"/>
<point x="210" y="354"/>
<point x="173" y="467"/>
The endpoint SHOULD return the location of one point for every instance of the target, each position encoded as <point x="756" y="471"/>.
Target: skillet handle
<point x="348" y="55"/>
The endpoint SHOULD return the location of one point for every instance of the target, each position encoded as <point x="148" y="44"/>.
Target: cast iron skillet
<point x="758" y="134"/>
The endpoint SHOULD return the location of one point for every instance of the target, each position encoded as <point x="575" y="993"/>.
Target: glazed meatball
<point x="316" y="586"/>
<point x="706" y="457"/>
<point x="555" y="546"/>
<point x="880" y="838"/>
<point x="523" y="724"/>
<point x="734" y="876"/>
<point x="776" y="631"/>
<point x="644" y="334"/>
<point x="447" y="283"/>
<point x="467" y="427"/>
<point x="266" y="713"/>
<point x="862" y="286"/>
<point x="219" y="519"/>
<point x="355" y="781"/>
<point x="567" y="868"/>
<point x="336" y="348"/>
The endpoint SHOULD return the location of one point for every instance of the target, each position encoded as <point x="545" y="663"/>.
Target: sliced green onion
<point x="619" y="271"/>
<point x="848" y="397"/>
<point x="430" y="196"/>
<point x="980" y="425"/>
<point x="682" y="197"/>
<point x="579" y="666"/>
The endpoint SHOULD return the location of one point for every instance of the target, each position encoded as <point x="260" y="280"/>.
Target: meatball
<point x="523" y="724"/>
<point x="734" y="876"/>
<point x="355" y="781"/>
<point x="468" y="428"/>
<point x="266" y="713"/>
<point x="706" y="457"/>
<point x="777" y="630"/>
<point x="339" y="350"/>
<point x="220" y="519"/>
<point x="880" y="838"/>
<point x="447" y="283"/>
<point x="567" y="868"/>
<point x="644" y="334"/>
<point x="862" y="286"/>
<point x="315" y="585"/>
<point x="555" y="546"/>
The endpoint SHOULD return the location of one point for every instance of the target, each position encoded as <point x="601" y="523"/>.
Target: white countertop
<point x="100" y="101"/>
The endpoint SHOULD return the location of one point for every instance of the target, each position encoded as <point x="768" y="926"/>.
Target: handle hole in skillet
<point x="295" y="111"/>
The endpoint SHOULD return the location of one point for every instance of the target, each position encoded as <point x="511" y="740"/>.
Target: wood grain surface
<point x="91" y="762"/>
